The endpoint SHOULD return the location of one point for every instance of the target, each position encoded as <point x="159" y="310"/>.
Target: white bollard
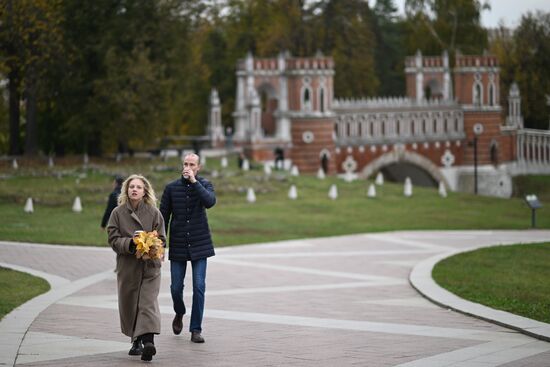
<point x="29" y="208"/>
<point x="372" y="191"/>
<point x="442" y="190"/>
<point x="50" y="162"/>
<point x="379" y="179"/>
<point x="294" y="171"/>
<point x="250" y="195"/>
<point x="333" y="192"/>
<point x="246" y="165"/>
<point x="267" y="169"/>
<point x="321" y="174"/>
<point x="293" y="193"/>
<point x="349" y="177"/>
<point x="77" y="205"/>
<point x="408" y="189"/>
<point x="14" y="164"/>
<point x="224" y="162"/>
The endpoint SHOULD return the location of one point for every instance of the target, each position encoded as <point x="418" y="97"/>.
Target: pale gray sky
<point x="510" y="11"/>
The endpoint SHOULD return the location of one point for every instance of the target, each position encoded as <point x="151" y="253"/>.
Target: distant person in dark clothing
<point x="279" y="158"/>
<point x="229" y="138"/>
<point x="112" y="201"/>
<point x="240" y="160"/>
<point x="324" y="163"/>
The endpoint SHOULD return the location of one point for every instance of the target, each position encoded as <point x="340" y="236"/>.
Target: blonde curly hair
<point x="149" y="194"/>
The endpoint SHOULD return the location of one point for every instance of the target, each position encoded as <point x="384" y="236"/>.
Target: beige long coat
<point x="138" y="280"/>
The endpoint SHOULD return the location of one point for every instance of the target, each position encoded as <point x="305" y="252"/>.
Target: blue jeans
<point x="177" y="272"/>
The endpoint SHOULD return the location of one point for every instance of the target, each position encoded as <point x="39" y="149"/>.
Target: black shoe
<point x="136" y="349"/>
<point x="196" y="337"/>
<point x="148" y="352"/>
<point x="177" y="324"/>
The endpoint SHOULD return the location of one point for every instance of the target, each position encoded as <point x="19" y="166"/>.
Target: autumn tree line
<point x="103" y="76"/>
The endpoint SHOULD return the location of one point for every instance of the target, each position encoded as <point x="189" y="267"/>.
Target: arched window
<point x="306" y="99"/>
<point x="477" y="95"/>
<point x="492" y="95"/>
<point x="477" y="91"/>
<point x="306" y="96"/>
<point x="322" y="99"/>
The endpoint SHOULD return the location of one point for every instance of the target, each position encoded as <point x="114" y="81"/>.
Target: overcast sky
<point x="509" y="11"/>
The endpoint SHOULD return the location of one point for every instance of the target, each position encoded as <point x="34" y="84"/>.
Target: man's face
<point x="191" y="163"/>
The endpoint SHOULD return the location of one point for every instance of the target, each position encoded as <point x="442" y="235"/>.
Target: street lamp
<point x="478" y="130"/>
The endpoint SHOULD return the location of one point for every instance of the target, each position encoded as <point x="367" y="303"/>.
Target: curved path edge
<point x="14" y="325"/>
<point x="421" y="279"/>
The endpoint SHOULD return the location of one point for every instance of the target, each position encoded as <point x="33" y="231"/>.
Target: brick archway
<point x="401" y="155"/>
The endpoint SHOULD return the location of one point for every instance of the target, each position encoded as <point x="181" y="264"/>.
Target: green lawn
<point x="509" y="278"/>
<point x="233" y="220"/>
<point x="17" y="288"/>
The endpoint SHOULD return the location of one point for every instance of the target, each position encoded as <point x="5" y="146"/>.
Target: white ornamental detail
<point x="447" y="159"/>
<point x="349" y="165"/>
<point x="307" y="137"/>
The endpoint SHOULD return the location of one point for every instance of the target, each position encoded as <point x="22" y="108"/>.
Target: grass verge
<point x="509" y="278"/>
<point x="17" y="288"/>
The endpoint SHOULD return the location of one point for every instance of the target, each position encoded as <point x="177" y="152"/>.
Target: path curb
<point x="421" y="279"/>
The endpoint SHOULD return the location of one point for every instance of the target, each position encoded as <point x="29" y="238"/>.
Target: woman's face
<point x="136" y="190"/>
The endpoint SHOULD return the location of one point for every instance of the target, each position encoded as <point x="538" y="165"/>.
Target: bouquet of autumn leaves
<point x="148" y="245"/>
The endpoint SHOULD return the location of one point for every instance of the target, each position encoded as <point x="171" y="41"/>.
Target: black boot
<point x="137" y="348"/>
<point x="149" y="349"/>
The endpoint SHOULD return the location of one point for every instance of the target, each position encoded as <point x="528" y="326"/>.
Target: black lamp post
<point x="534" y="204"/>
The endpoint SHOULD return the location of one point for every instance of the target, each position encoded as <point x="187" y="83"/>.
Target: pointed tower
<point x="514" y="117"/>
<point x="428" y="77"/>
<point x="215" y="129"/>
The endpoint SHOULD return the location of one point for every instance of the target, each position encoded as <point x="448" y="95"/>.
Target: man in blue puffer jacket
<point x="183" y="205"/>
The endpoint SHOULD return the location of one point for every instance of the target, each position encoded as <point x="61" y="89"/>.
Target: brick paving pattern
<point x="339" y="301"/>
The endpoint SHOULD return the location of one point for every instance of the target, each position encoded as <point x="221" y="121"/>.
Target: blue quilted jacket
<point x="183" y="206"/>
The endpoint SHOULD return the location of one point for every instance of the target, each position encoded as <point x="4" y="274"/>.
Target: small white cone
<point x="224" y="162"/>
<point x="14" y="164"/>
<point x="333" y="192"/>
<point x="442" y="190"/>
<point x="29" y="208"/>
<point x="86" y="159"/>
<point x="250" y="195"/>
<point x="267" y="169"/>
<point x="246" y="165"/>
<point x="349" y="177"/>
<point x="50" y="162"/>
<point x="294" y="171"/>
<point x="379" y="179"/>
<point x="372" y="191"/>
<point x="77" y="205"/>
<point x="408" y="189"/>
<point x="293" y="193"/>
<point x="321" y="174"/>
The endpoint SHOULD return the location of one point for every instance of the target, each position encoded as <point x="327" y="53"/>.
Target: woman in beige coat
<point x="138" y="279"/>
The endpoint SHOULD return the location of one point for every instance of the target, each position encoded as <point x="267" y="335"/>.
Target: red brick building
<point x="429" y="134"/>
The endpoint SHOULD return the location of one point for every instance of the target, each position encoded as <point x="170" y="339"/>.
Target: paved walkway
<point x="340" y="301"/>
